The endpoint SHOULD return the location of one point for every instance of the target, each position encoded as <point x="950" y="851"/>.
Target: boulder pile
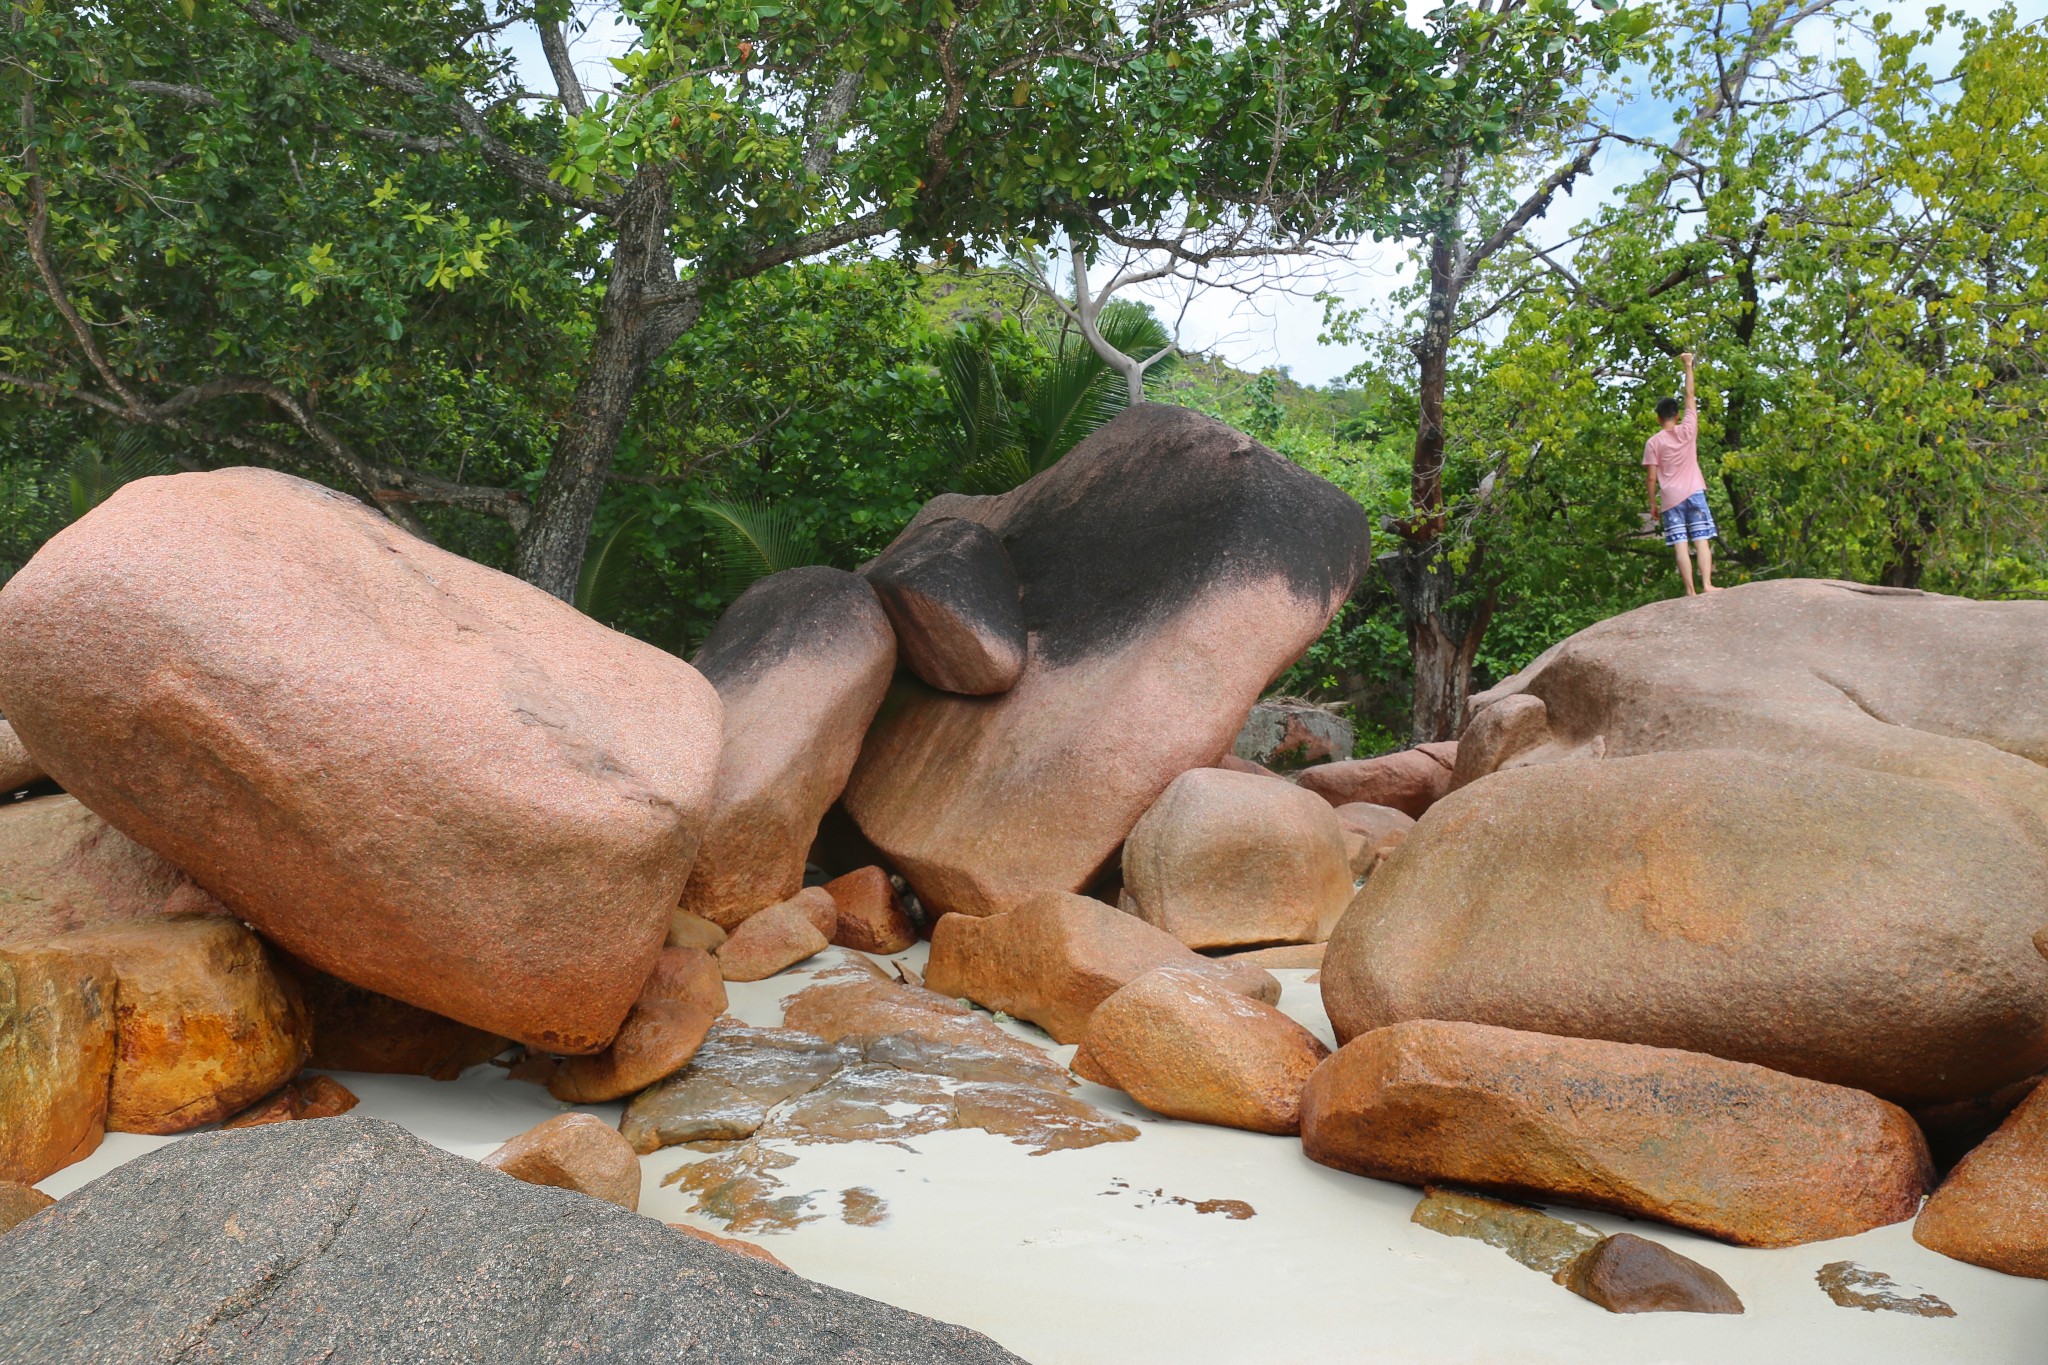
<point x="1711" y="916"/>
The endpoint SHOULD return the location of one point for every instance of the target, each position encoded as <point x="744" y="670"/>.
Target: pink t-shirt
<point x="1675" y="455"/>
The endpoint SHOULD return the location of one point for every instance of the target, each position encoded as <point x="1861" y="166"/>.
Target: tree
<point x="248" y="255"/>
<point x="1479" y="201"/>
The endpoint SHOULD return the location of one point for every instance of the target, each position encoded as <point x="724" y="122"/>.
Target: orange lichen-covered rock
<point x="574" y="1152"/>
<point x="412" y="771"/>
<point x="204" y="1022"/>
<point x="1410" y="781"/>
<point x="56" y="1058"/>
<point x="872" y="918"/>
<point x="1993" y="1208"/>
<point x="1184" y="1046"/>
<point x="1059" y="956"/>
<point x="661" y="1033"/>
<point x="63" y="868"/>
<point x="777" y="938"/>
<point x="1731" y="1150"/>
<point x="800" y="661"/>
<point x="1851" y="926"/>
<point x="1169" y="568"/>
<point x="1226" y="859"/>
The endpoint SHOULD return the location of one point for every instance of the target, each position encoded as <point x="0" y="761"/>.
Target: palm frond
<point x="603" y="580"/>
<point x="981" y="412"/>
<point x="1082" y="392"/>
<point x="754" y="540"/>
<point x="99" y="471"/>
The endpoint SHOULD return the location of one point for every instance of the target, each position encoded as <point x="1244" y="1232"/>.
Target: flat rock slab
<point x="348" y="1240"/>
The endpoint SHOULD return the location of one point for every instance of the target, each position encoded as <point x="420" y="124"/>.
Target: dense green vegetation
<point x="221" y="247"/>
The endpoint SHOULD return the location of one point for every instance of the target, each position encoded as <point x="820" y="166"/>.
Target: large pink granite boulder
<point x="410" y="770"/>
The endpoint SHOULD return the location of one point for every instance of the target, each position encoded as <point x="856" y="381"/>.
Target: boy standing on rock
<point x="1671" y="460"/>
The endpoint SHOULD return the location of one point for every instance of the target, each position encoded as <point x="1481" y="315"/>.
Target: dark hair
<point x="1668" y="408"/>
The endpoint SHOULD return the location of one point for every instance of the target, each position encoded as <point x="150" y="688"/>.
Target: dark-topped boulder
<point x="205" y="1022"/>
<point x="1057" y="957"/>
<point x="952" y="595"/>
<point x="17" y="769"/>
<point x="415" y="772"/>
<point x="800" y="661"/>
<point x="1905" y="682"/>
<point x="1993" y="1208"/>
<point x="1857" y="927"/>
<point x="63" y="868"/>
<point x="56" y="1057"/>
<point x="1227" y="860"/>
<point x="361" y="1244"/>
<point x="1731" y="1150"/>
<point x="1170" y="567"/>
<point x="1410" y="781"/>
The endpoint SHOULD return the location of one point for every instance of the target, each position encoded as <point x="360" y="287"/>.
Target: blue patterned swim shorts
<point x="1690" y="520"/>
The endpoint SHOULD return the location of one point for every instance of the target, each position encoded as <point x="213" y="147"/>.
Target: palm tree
<point x="1001" y="442"/>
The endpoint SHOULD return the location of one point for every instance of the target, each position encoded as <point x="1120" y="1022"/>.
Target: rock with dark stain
<point x="1169" y="568"/>
<point x="1735" y="1151"/>
<point x="1993" y="1208"/>
<point x="359" y="1244"/>
<point x="952" y="595"/>
<point x="1865" y="928"/>
<point x="916" y="1029"/>
<point x="726" y="1091"/>
<point x="1858" y="1286"/>
<point x="1630" y="1274"/>
<point x="1059" y="956"/>
<point x="56" y="1055"/>
<point x="360" y="1030"/>
<point x="800" y="661"/>
<point x="1533" y="1237"/>
<point x="205" y="1021"/>
<point x="413" y="771"/>
<point x="663" y="1031"/>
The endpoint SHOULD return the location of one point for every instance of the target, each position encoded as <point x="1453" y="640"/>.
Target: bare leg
<point x="1685" y="566"/>
<point x="1705" y="550"/>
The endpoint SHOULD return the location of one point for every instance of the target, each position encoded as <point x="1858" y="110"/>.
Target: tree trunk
<point x="550" y="551"/>
<point x="1444" y="637"/>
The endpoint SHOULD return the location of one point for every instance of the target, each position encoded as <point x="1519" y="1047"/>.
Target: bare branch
<point x="557" y="49"/>
<point x="191" y="94"/>
<point x="825" y="132"/>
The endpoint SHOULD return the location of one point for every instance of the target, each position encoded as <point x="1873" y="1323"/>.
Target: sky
<point x="1279" y="321"/>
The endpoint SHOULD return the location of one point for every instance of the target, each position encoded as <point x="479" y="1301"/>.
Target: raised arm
<point x="1692" y="411"/>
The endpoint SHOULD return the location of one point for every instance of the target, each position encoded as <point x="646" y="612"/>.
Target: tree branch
<point x="191" y="94"/>
<point x="501" y="156"/>
<point x="557" y="49"/>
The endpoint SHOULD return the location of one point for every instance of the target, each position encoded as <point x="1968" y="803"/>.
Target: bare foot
<point x="1711" y="588"/>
